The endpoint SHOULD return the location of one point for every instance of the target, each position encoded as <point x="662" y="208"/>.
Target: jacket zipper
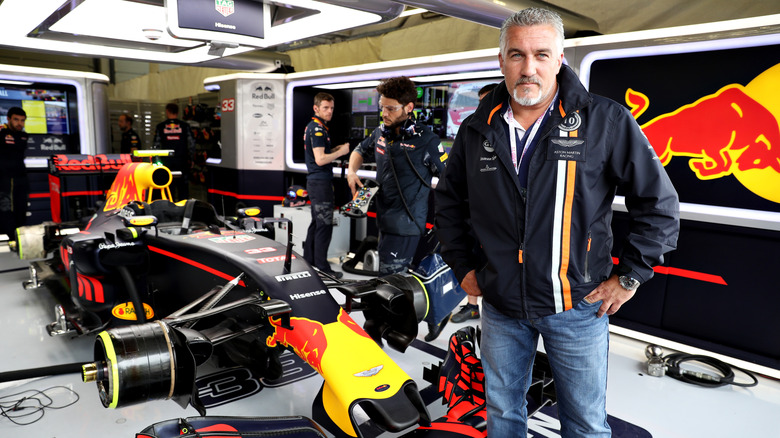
<point x="525" y="213"/>
<point x="587" y="258"/>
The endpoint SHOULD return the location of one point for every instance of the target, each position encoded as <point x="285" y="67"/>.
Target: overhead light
<point x="412" y="11"/>
<point x="211" y="87"/>
<point x="6" y="82"/>
<point x="343" y="85"/>
<point x="141" y="23"/>
<point x="145" y="31"/>
<point x="459" y="76"/>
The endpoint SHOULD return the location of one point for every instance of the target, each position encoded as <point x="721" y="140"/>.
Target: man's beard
<point x="396" y="123"/>
<point x="528" y="101"/>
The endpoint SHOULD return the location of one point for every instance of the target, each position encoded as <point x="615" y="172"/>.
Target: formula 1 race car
<point x="166" y="286"/>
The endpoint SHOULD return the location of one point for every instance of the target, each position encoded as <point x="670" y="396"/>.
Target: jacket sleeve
<point x="436" y="156"/>
<point x="652" y="202"/>
<point x="318" y="137"/>
<point x="366" y="147"/>
<point x="452" y="215"/>
<point x="157" y="142"/>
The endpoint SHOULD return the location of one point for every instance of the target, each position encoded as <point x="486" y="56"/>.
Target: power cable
<point x="676" y="371"/>
<point x="19" y="408"/>
<point x="659" y="365"/>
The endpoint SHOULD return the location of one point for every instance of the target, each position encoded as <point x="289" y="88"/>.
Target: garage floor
<point x="640" y="405"/>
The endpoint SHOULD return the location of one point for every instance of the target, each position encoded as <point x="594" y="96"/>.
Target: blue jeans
<point x="577" y="345"/>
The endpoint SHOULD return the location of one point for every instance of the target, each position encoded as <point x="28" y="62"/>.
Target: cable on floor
<point x="659" y="365"/>
<point x="29" y="406"/>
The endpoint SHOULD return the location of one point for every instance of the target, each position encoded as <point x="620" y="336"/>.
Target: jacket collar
<point x="319" y="122"/>
<point x="572" y="96"/>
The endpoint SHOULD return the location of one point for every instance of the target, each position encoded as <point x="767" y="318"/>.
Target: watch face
<point x="628" y="283"/>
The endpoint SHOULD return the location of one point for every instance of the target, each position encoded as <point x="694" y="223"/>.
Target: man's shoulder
<point x="172" y="121"/>
<point x="375" y="134"/>
<point x="428" y="136"/>
<point x="315" y="127"/>
<point x="602" y="106"/>
<point x="6" y="131"/>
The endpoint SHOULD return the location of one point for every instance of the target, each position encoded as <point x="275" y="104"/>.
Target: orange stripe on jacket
<point x="494" y="111"/>
<point x="571" y="171"/>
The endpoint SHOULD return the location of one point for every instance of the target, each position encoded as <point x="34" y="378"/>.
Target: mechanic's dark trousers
<point x="180" y="187"/>
<point x="14" y="192"/>
<point x="396" y="252"/>
<point x="315" y="248"/>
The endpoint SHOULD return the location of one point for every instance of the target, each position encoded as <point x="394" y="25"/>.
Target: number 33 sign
<point x="228" y="105"/>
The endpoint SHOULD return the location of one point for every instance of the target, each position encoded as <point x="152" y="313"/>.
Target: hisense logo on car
<point x="308" y="294"/>
<point x="293" y="276"/>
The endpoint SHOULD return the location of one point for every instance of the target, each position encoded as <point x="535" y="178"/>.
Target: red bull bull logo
<point x="134" y="180"/>
<point x="123" y="190"/>
<point x="306" y="337"/>
<point x="735" y="131"/>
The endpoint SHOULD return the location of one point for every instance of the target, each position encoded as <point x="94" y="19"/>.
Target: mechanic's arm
<point x="436" y="158"/>
<point x="321" y="158"/>
<point x="157" y="142"/>
<point x="355" y="161"/>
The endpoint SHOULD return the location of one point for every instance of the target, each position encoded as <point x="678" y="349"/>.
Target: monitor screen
<point x="47" y="109"/>
<point x="365" y="100"/>
<point x="51" y="116"/>
<point x="242" y="17"/>
<point x="463" y="99"/>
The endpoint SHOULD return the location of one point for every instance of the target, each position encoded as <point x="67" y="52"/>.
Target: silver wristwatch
<point x="628" y="283"/>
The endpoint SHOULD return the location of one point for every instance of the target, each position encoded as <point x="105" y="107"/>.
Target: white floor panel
<point x="657" y="407"/>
